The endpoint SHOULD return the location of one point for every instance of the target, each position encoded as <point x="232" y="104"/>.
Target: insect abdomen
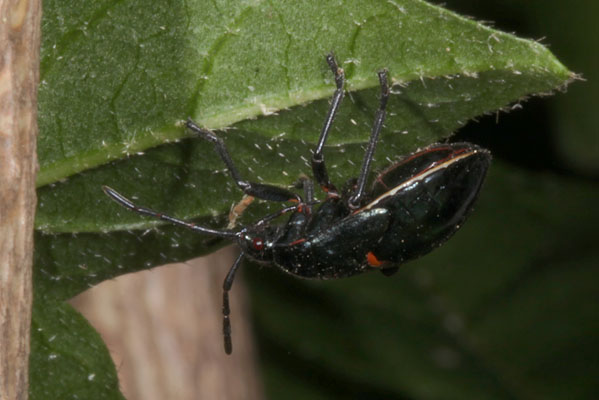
<point x="337" y="252"/>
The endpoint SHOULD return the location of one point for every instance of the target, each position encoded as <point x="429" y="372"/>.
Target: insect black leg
<point x="275" y="215"/>
<point x="318" y="166"/>
<point x="308" y="186"/>
<point x="354" y="201"/>
<point x="125" y="202"/>
<point x="227" y="284"/>
<point x="259" y="190"/>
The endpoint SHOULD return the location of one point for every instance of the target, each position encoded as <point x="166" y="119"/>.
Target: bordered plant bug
<point x="413" y="207"/>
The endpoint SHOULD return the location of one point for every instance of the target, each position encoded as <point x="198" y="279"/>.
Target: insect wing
<point x="429" y="195"/>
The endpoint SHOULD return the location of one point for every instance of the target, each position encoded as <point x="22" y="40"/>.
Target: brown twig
<point x="19" y="76"/>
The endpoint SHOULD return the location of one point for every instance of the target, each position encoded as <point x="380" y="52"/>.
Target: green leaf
<point x="453" y="69"/>
<point x="68" y="358"/>
<point x="117" y="77"/>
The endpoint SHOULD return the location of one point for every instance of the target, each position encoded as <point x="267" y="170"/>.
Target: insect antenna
<point x="125" y="202"/>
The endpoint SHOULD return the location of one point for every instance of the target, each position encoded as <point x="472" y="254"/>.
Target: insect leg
<point x="379" y="118"/>
<point x="318" y="166"/>
<point x="308" y="186"/>
<point x="226" y="309"/>
<point x="259" y="190"/>
<point x="125" y="202"/>
<point x="275" y="215"/>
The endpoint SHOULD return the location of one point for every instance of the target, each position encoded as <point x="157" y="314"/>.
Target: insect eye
<point x="258" y="244"/>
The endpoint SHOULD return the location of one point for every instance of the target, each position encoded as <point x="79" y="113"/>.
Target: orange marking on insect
<point x="372" y="260"/>
<point x="298" y="241"/>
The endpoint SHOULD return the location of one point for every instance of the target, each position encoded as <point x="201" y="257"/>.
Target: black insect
<point x="413" y="207"/>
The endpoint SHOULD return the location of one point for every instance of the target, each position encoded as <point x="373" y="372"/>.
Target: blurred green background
<point x="508" y="308"/>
